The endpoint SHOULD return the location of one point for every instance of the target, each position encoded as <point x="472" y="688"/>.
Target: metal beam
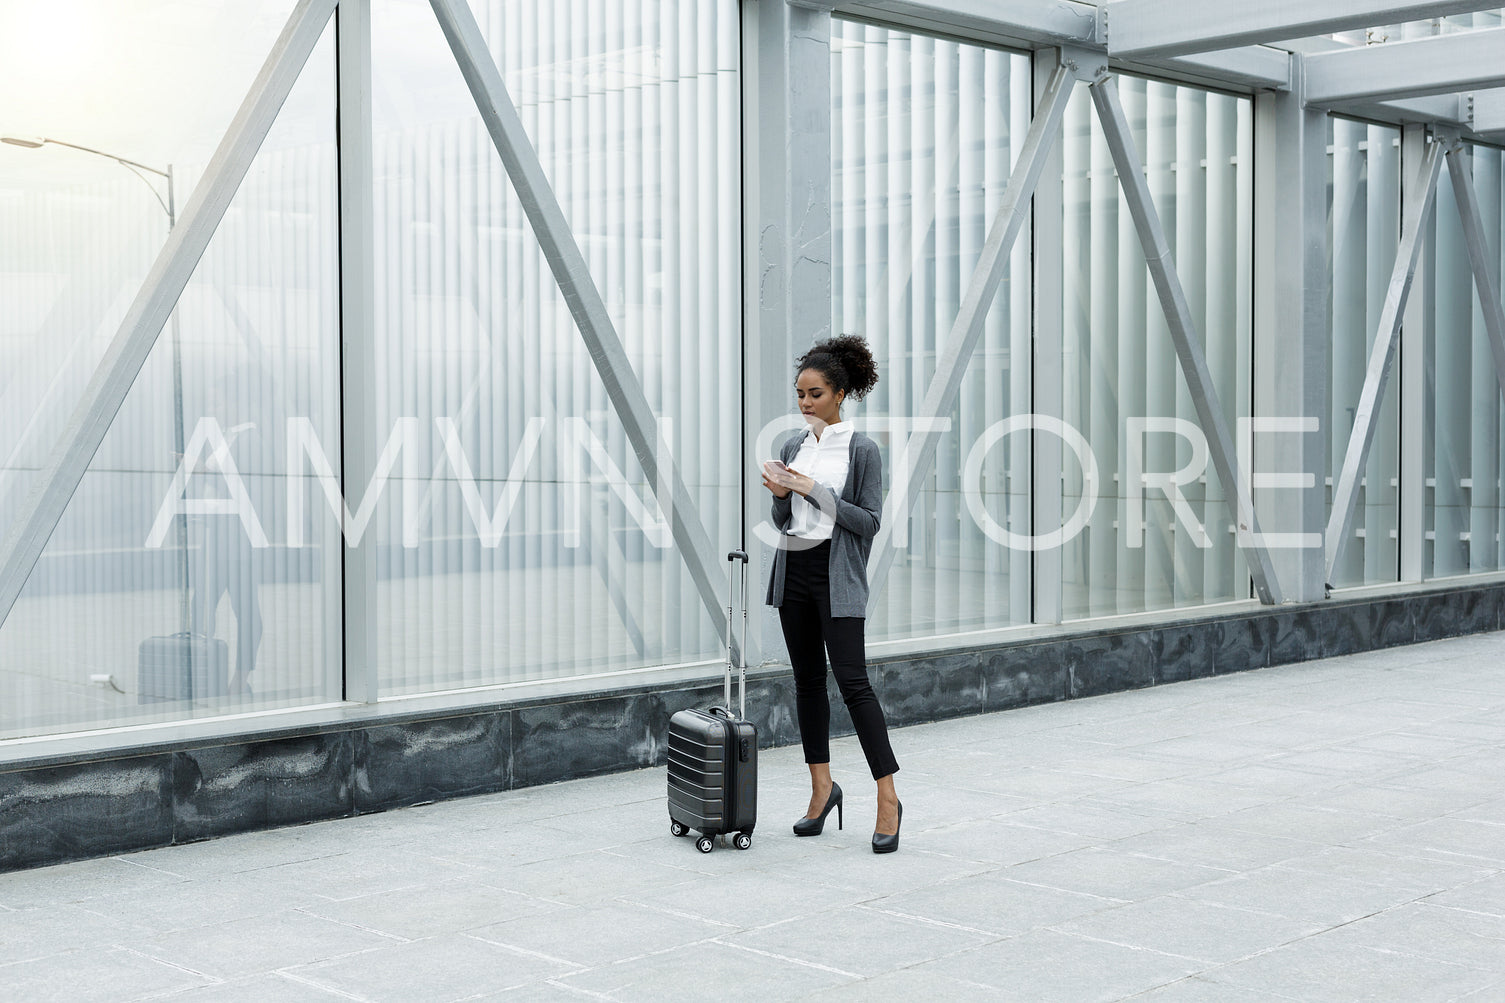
<point x="587" y="307"/>
<point x="1487" y="110"/>
<point x="1442" y="64"/>
<point x="1161" y="28"/>
<point x="1042" y="22"/>
<point x="1346" y="491"/>
<point x="148" y="314"/>
<point x="951" y="367"/>
<point x="1485" y="281"/>
<point x="1194" y="368"/>
<point x="1291" y="338"/>
<point x="359" y="445"/>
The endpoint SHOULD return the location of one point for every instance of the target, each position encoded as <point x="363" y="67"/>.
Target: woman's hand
<point x="783" y="480"/>
<point x="778" y="490"/>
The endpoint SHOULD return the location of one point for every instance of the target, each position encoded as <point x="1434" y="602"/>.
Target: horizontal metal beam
<point x="1162" y="28"/>
<point x="1487" y="111"/>
<point x="147" y="315"/>
<point x="1442" y="64"/>
<point x="1032" y="22"/>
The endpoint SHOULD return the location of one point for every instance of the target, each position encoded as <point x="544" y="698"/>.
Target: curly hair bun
<point x="846" y="362"/>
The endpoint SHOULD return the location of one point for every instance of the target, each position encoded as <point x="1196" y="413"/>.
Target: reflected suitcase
<point x="182" y="666"/>
<point x="713" y="755"/>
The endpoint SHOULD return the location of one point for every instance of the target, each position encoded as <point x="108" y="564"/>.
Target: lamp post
<point x="169" y="206"/>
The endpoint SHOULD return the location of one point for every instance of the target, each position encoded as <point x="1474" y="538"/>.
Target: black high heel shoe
<point x="888" y="844"/>
<point x="813" y="826"/>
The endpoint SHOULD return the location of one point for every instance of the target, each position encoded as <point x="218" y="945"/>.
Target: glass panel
<point x="253" y="344"/>
<point x="1120" y="364"/>
<point x="634" y="110"/>
<point x="1464" y="517"/>
<point x="1363" y="235"/>
<point x="924" y="134"/>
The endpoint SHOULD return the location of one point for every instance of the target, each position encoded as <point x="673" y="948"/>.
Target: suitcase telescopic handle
<point x="733" y="558"/>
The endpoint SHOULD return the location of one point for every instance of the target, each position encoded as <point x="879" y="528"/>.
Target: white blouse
<point x="825" y="460"/>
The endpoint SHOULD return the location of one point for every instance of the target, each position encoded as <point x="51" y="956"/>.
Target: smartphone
<point x="777" y="465"/>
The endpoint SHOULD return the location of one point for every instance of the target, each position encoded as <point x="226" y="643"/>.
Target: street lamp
<point x="169" y="206"/>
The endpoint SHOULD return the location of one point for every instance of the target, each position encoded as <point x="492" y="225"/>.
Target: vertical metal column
<point x="1291" y="378"/>
<point x="1416" y="324"/>
<point x="787" y="244"/>
<point x="1204" y="395"/>
<point x="359" y="437"/>
<point x="159" y="293"/>
<point x="1047" y="393"/>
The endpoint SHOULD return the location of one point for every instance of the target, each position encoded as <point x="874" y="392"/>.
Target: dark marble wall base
<point x="51" y="812"/>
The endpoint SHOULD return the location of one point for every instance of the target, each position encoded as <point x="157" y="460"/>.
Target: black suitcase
<point x="713" y="756"/>
<point x="182" y="666"/>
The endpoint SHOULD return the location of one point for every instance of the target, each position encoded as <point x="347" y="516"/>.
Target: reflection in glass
<point x="119" y="623"/>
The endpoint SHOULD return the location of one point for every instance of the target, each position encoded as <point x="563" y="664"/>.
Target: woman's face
<point x="818" y="402"/>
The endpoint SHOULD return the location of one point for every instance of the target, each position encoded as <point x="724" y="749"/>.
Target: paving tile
<point x="1324" y="970"/>
<point x="1449" y="838"/>
<point x="43" y="931"/>
<point x="1201" y="989"/>
<point x="597" y="875"/>
<point x="1049" y="965"/>
<point x="590" y="936"/>
<point x="992" y="905"/>
<point x="756" y="975"/>
<point x="1112" y="874"/>
<point x="1324" y="900"/>
<point x="107" y="976"/>
<point x="1445" y="934"/>
<point x="1484" y="896"/>
<point x="1216" y="843"/>
<point x="260" y="944"/>
<point x="280" y="986"/>
<point x="1210" y="933"/>
<point x="748" y="899"/>
<point x="998" y="842"/>
<point x="864" y="941"/>
<point x="452" y="906"/>
<point x="438" y="969"/>
<point x="904" y="984"/>
<point x="79" y="882"/>
<point x="1412" y="874"/>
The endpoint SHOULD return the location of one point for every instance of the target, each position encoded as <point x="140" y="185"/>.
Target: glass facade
<point x="517" y="539"/>
<point x="1124" y="390"/>
<point x="1464" y="518"/>
<point x="924" y="133"/>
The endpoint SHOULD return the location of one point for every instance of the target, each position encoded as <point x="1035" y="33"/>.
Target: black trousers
<point x="810" y="631"/>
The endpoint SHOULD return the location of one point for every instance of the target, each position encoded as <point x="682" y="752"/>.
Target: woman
<point x="827" y="494"/>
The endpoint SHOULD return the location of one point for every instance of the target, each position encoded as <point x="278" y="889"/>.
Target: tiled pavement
<point x="1325" y="831"/>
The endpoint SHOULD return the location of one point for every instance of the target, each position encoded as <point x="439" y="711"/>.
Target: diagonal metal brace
<point x="587" y="307"/>
<point x="951" y="367"/>
<point x="1178" y="318"/>
<point x="1381" y="356"/>
<point x="154" y="303"/>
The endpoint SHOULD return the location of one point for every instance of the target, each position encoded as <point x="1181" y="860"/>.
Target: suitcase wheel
<point x="705" y="844"/>
<point x="743" y="840"/>
<point x="678" y="828"/>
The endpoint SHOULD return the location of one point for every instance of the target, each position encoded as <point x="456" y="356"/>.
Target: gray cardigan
<point x="857" y="512"/>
